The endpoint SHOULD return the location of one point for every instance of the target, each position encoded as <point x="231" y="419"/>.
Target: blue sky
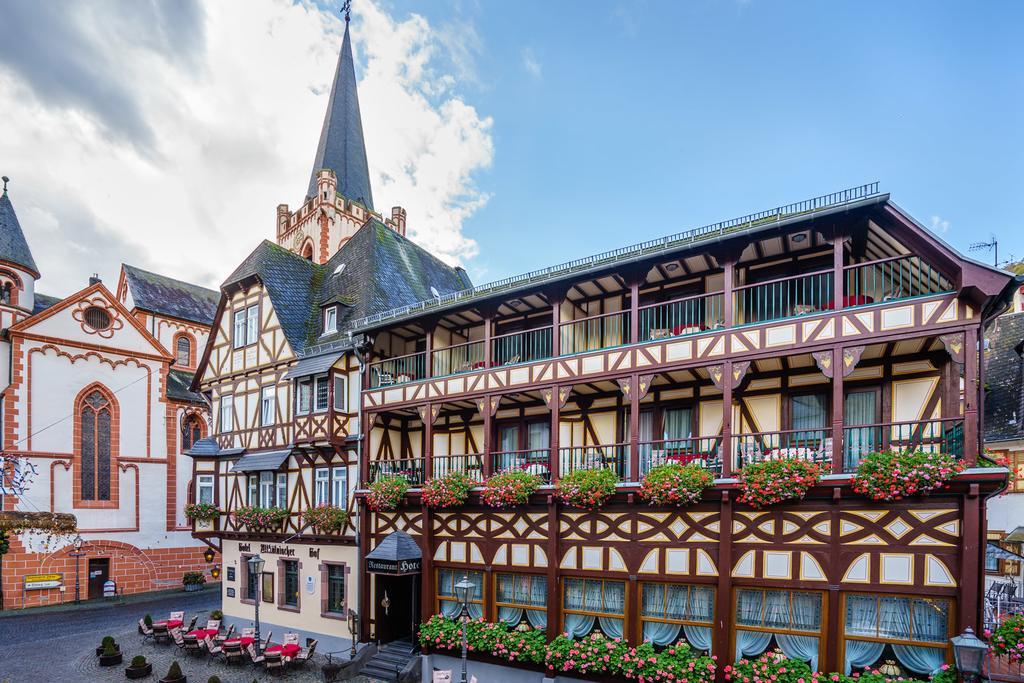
<point x="615" y="122"/>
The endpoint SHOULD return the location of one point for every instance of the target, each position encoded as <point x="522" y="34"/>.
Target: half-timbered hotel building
<point x="283" y="382"/>
<point x="822" y="330"/>
<point x="96" y="405"/>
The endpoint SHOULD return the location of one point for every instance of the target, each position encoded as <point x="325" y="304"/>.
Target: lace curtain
<point x="898" y="619"/>
<point x="588" y="596"/>
<point x="522" y="590"/>
<point x="679" y="602"/>
<point x="447" y="578"/>
<point x="784" y="610"/>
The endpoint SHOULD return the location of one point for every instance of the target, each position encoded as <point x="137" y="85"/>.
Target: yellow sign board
<point x="40" y="581"/>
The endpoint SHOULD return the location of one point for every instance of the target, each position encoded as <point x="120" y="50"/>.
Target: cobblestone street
<point x="59" y="645"/>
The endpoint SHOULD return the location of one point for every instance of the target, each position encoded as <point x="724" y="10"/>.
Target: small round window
<point x="96" y="318"/>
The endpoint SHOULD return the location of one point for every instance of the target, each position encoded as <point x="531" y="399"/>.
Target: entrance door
<point x="397" y="611"/>
<point x="99" y="572"/>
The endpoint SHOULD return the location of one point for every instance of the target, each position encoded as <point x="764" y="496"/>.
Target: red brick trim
<point x="180" y="334"/>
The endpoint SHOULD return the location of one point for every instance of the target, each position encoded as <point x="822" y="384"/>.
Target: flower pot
<point x="133" y="672"/>
<point x="111" y="660"/>
<point x="183" y="679"/>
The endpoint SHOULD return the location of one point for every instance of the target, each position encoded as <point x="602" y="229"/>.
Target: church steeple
<point x="13" y="245"/>
<point x="341" y="147"/>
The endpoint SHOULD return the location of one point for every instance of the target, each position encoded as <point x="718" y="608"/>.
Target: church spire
<point x="13" y="245"/>
<point x="341" y="147"/>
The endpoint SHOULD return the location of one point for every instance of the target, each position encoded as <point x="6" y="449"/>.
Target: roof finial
<point x="346" y="9"/>
<point x="6" y="180"/>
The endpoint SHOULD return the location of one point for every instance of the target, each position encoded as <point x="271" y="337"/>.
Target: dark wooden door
<point x="395" y="602"/>
<point x="99" y="572"/>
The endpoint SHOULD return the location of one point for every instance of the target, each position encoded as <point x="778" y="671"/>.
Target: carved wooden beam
<point x="644" y="386"/>
<point x="954" y="345"/>
<point x="434" y="409"/>
<point x="487" y="405"/>
<point x="739" y="371"/>
<point x="824" y="361"/>
<point x="851" y="356"/>
<point x="549" y="396"/>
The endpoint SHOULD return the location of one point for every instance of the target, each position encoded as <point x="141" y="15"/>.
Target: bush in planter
<point x="213" y="679"/>
<point x="893" y="475"/>
<point x="202" y="512"/>
<point x="587" y="488"/>
<point x="775" y="481"/>
<point x="495" y="639"/>
<point x="108" y="641"/>
<point x="216" y="614"/>
<point x="111" y="653"/>
<point x="148" y="621"/>
<point x="193" y="581"/>
<point x="326" y="519"/>
<point x="448" y="491"/>
<point x="260" y="519"/>
<point x="139" y="668"/>
<point x="174" y="674"/>
<point x="386" y="493"/>
<point x="675" y="484"/>
<point x="510" y="488"/>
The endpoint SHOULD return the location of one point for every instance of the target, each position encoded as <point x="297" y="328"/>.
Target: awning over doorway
<point x="258" y="462"/>
<point x="397" y="554"/>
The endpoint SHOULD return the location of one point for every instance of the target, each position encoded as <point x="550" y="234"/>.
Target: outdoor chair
<point x="273" y="661"/>
<point x="213" y="624"/>
<point x="291" y="638"/>
<point x="190" y="644"/>
<point x="144" y="630"/>
<point x="248" y="631"/>
<point x="253" y="657"/>
<point x="213" y="649"/>
<point x="266" y="642"/>
<point x="160" y="633"/>
<point x="221" y="637"/>
<point x="305" y="654"/>
<point x="233" y="654"/>
<point x="192" y="624"/>
<point x="176" y="616"/>
<point x="179" y="640"/>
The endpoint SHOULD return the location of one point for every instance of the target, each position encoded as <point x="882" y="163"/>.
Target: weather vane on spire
<point x="6" y="180"/>
<point x="346" y="9"/>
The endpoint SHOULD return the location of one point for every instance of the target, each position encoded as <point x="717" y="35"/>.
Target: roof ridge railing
<point x="825" y="201"/>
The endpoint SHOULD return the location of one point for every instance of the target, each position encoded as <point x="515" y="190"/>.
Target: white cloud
<point x="221" y="135"/>
<point x="939" y="225"/>
<point x="531" y="63"/>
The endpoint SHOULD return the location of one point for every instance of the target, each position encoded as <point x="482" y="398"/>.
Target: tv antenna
<point x="991" y="245"/>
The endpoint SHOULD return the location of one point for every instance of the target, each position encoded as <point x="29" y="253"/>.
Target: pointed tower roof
<point x="13" y="246"/>
<point x="341" y="147"/>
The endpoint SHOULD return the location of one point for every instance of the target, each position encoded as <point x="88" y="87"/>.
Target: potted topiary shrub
<point x="174" y="674"/>
<point x="193" y="581"/>
<point x="216" y="614"/>
<point x="139" y="668"/>
<point x="111" y="654"/>
<point x="213" y="679"/>
<point x="107" y="640"/>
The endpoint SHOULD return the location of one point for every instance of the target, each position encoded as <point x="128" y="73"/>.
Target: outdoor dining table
<point x="286" y="650"/>
<point x="169" y="623"/>
<point x="244" y="641"/>
<point x="202" y="633"/>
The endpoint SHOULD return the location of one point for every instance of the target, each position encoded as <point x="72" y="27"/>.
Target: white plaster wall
<point x="64" y="326"/>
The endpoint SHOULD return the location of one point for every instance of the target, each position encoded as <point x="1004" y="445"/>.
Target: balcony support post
<point x="635" y="279"/>
<point x="428" y="357"/>
<point x="727" y="450"/>
<point x="488" y="316"/>
<point x="729" y="281"/>
<point x="634" y="428"/>
<point x="488" y="436"/>
<point x="427" y="416"/>
<point x="838" y="279"/>
<point x="556" y="409"/>
<point x="837" y="410"/>
<point x="723" y="594"/>
<point x="556" y="322"/>
<point x="972" y="395"/>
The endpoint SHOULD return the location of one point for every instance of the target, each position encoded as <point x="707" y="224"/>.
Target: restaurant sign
<point x="396" y="567"/>
<point x="39" y="581"/>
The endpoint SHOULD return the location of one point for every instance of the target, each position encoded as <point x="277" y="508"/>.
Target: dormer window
<point x="330" y="320"/>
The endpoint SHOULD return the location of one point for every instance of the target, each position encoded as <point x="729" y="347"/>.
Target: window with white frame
<point x="227" y="413"/>
<point x="321" y="486"/>
<point x="282" y="490"/>
<point x="320" y="394"/>
<point x="204" y="488"/>
<point x="330" y="319"/>
<point x="266" y="489"/>
<point x="340" y="394"/>
<point x="339" y="486"/>
<point x="238" y="336"/>
<point x="268" y="405"/>
<point x="252" y="324"/>
<point x="303" y="395"/>
<point x="254" y="491"/>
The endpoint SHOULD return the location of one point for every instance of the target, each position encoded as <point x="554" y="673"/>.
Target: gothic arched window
<point x="184" y="351"/>
<point x="96" y="419"/>
<point x="191" y="432"/>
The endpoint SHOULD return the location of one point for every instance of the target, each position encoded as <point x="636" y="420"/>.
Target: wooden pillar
<point x="554" y="610"/>
<point x="729" y="283"/>
<point x="832" y="626"/>
<point x="488" y="354"/>
<point x="364" y="462"/>
<point x="428" y="357"/>
<point x="838" y="277"/>
<point x="488" y="438"/>
<point x="363" y="606"/>
<point x="972" y="394"/>
<point x="971" y="574"/>
<point x="428" y="441"/>
<point x="556" y="320"/>
<point x="556" y="410"/>
<point x="838" y="405"/>
<point x="633" y="635"/>
<point x="634" y="309"/>
<point x="427" y="576"/>
<point x="727" y="450"/>
<point x="723" y="592"/>
<point x="634" y="429"/>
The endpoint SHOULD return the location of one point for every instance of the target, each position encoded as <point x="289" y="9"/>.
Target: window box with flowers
<point x="326" y="519"/>
<point x="387" y="493"/>
<point x="510" y="488"/>
<point x="261" y="519"/>
<point x="202" y="515"/>
<point x="193" y="581"/>
<point x="448" y="491"/>
<point x="675" y="484"/>
<point x="588" y="489"/>
<point x="775" y="481"/>
<point x="894" y="475"/>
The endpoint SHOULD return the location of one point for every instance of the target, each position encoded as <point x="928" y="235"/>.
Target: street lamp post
<point x="969" y="651"/>
<point x="353" y="628"/>
<point x="256" y="569"/>
<point x="462" y="593"/>
<point x="77" y="544"/>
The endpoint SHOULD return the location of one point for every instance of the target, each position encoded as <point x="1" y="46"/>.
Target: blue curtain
<point x="808" y="412"/>
<point x="615" y="603"/>
<point x="861" y="654"/>
<point x="587" y="595"/>
<point x="751" y="643"/>
<point x="858" y="409"/>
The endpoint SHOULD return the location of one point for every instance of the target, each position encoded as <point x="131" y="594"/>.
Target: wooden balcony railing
<point x="469" y="463"/>
<point x="521" y="347"/>
<point x="612" y="456"/>
<point x="535" y="460"/>
<point x="783" y="298"/>
<point x="688" y="315"/>
<point x="451" y="360"/>
<point x="594" y="333"/>
<point x="814" y="445"/>
<point x="892" y="279"/>
<point x="706" y="452"/>
<point x="939" y="436"/>
<point x="410" y="468"/>
<point x="398" y="370"/>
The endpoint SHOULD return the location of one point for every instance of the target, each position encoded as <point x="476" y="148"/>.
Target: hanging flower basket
<point x="448" y="491"/>
<point x="588" y="489"/>
<point x="776" y="481"/>
<point x="387" y="492"/>
<point x="894" y="475"/>
<point x="326" y="519"/>
<point x="511" y="488"/>
<point x="675" y="484"/>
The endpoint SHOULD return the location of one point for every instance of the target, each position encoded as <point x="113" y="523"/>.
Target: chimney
<point x="94" y="279"/>
<point x="397" y="221"/>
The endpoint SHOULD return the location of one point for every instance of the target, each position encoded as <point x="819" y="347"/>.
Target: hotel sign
<point x="395" y="567"/>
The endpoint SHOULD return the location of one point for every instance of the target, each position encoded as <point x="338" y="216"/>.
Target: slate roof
<point x="44" y="301"/>
<point x="166" y="296"/>
<point x="1004" y="379"/>
<point x="208" y="447"/>
<point x="258" y="462"/>
<point x="13" y="246"/>
<point x="178" y="383"/>
<point x="396" y="546"/>
<point x="341" y="147"/>
<point x="382" y="270"/>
